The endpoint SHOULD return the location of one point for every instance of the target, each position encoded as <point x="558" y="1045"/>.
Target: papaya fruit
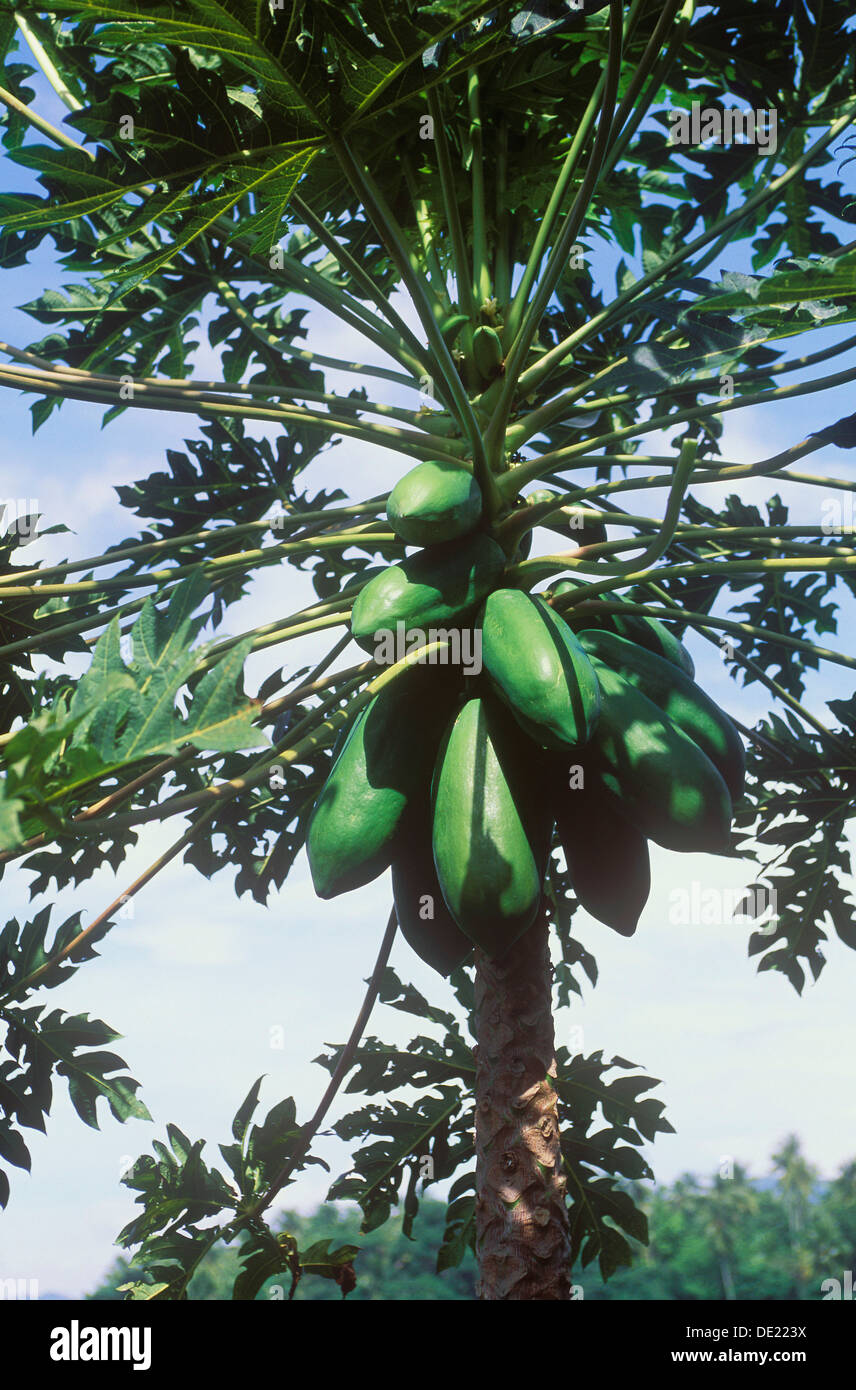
<point x="529" y="770"/>
<point x="434" y="588"/>
<point x="434" y="502"/>
<point x="440" y="422"/>
<point x="423" y="917"/>
<point x="385" y="762"/>
<point x="646" y="632"/>
<point x="539" y="669"/>
<point x="667" y="786"/>
<point x="542" y="494"/>
<point x="682" y="701"/>
<point x="482" y="852"/>
<point x="451" y="326"/>
<point x="487" y="352"/>
<point x="607" y="856"/>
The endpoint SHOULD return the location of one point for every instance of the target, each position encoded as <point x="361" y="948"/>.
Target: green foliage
<point x="419" y="1134"/>
<point x="122" y="713"/>
<point x="601" y="1212"/>
<point x="178" y="1191"/>
<point x="811" y="291"/>
<point x="801" y="801"/>
<point x="276" y="164"/>
<point x="735" y="1238"/>
<point x="411" y="1142"/>
<point x="36" y="1046"/>
<point x="390" y="1266"/>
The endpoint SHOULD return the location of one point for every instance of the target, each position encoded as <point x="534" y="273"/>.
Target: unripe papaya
<point x="434" y="502"/>
<point x="487" y="352"/>
<point x="682" y="701"/>
<point x="668" y="787"/>
<point x="529" y="770"/>
<point x="440" y="422"/>
<point x="451" y="326"/>
<point x="647" y="632"/>
<point x="485" y="862"/>
<point x="539" y="669"/>
<point x="542" y="494"/>
<point x="607" y="856"/>
<point x="385" y="762"/>
<point x="425" y="921"/>
<point x="435" y="588"/>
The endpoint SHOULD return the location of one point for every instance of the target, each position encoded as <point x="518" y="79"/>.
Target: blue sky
<point x="199" y="982"/>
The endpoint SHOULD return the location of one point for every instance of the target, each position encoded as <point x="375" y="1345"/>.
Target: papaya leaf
<point x="842" y="433"/>
<point x="826" y="279"/>
<point x="460" y="1233"/>
<point x="25" y="950"/>
<point x="601" y="1213"/>
<point x="177" y="1190"/>
<point x="121" y="714"/>
<point x="408" y="1140"/>
<point x="264" y="1255"/>
<point x="798" y="804"/>
<point x="39" y="1046"/>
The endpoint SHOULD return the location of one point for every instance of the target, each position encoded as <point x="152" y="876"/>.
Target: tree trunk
<point x="728" y="1289"/>
<point x="522" y="1240"/>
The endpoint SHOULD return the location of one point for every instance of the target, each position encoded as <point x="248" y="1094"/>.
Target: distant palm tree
<point x="797" y="1181"/>
<point x="722" y="1211"/>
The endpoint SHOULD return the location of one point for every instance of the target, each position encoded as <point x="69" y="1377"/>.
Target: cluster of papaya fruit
<point x="457" y="781"/>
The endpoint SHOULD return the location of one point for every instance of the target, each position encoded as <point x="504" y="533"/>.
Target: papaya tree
<point x="529" y="214"/>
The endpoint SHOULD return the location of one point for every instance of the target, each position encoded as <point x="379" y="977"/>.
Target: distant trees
<point x="787" y="1237"/>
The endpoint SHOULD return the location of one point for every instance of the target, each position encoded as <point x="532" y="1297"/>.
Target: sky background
<point x="200" y="983"/>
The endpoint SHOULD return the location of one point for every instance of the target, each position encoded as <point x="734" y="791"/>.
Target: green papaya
<point x="434" y="502"/>
<point x="487" y="352"/>
<point x="682" y="701"/>
<point x="539" y="669"/>
<point x="529" y="770"/>
<point x="440" y="422"/>
<point x="646" y="632"/>
<point x="607" y="856"/>
<point x="451" y="326"/>
<point x="423" y="917"/>
<point x="667" y="786"/>
<point x="484" y="859"/>
<point x="541" y="494"/>
<point x="437" y="587"/>
<point x="386" y="761"/>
